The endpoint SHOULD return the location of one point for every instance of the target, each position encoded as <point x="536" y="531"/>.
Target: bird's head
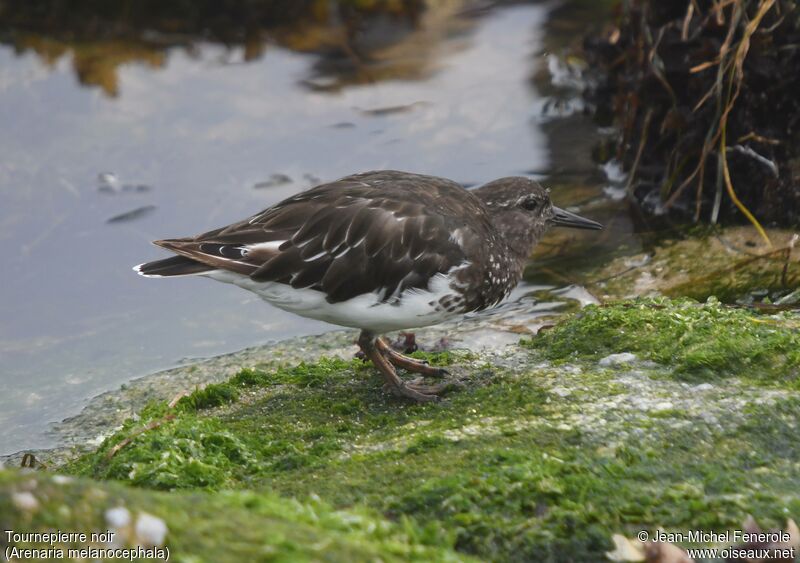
<point x="522" y="211"/>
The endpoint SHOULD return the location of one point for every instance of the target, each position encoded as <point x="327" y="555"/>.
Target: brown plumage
<point x="380" y="239"/>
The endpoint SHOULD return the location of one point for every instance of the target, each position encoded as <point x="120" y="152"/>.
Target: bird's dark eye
<point x="530" y="204"/>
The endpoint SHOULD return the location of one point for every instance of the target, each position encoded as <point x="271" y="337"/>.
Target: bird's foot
<point x="420" y="391"/>
<point x="419" y="384"/>
<point x="409" y="364"/>
<point x="385" y="359"/>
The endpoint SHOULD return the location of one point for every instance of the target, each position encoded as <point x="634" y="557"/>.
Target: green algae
<point x="727" y="263"/>
<point x="218" y="394"/>
<point x="526" y="462"/>
<point x="698" y="341"/>
<point x="223" y="527"/>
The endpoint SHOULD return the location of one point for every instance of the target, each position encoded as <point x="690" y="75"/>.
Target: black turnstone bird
<point x="380" y="251"/>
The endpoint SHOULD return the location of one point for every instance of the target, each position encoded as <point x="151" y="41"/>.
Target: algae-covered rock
<point x="542" y="455"/>
<point x="696" y="341"/>
<point x="627" y="416"/>
<point x="727" y="264"/>
<point x="224" y="527"/>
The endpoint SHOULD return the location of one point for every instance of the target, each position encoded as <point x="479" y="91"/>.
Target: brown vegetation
<point x="705" y="94"/>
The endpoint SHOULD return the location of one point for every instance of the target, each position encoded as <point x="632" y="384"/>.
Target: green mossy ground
<point x="230" y="527"/>
<point x="542" y="455"/>
<point x="699" y="341"/>
<point x="728" y="264"/>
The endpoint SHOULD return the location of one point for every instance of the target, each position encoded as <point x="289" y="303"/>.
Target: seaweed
<point x="705" y="96"/>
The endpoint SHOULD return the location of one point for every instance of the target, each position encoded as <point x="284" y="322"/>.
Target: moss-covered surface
<point x="728" y="264"/>
<point x="228" y="527"/>
<point x="731" y="264"/>
<point x="698" y="341"/>
<point x="543" y="455"/>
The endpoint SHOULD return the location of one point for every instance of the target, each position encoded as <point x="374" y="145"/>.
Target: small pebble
<point x="561" y="391"/>
<point x="25" y="501"/>
<point x="617" y="359"/>
<point x="118" y="517"/>
<point x="150" y="530"/>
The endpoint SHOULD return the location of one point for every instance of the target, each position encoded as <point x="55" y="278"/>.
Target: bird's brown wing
<point x="381" y="232"/>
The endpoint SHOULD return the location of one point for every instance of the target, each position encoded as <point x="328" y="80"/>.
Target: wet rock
<point x="614" y="360"/>
<point x="499" y="462"/>
<point x="730" y="264"/>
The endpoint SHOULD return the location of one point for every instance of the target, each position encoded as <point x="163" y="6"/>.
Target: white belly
<point x="415" y="307"/>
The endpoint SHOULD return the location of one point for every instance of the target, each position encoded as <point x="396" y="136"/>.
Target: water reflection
<point x="200" y="142"/>
<point x="354" y="42"/>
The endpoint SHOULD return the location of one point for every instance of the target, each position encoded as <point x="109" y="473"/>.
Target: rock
<point x="540" y="452"/>
<point x="620" y="359"/>
<point x="625" y="549"/>
<point x="118" y="517"/>
<point x="734" y="262"/>
<point x="665" y="553"/>
<point x="151" y="531"/>
<point x="24" y="501"/>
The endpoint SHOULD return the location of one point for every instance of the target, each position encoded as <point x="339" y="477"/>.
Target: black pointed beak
<point x="563" y="218"/>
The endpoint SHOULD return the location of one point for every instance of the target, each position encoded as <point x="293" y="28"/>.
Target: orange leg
<point x="409" y="364"/>
<point x="419" y="392"/>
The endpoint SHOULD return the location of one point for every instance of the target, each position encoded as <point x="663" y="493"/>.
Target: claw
<point x="419" y="384"/>
<point x="419" y="393"/>
<point x="409" y="364"/>
<point x="385" y="359"/>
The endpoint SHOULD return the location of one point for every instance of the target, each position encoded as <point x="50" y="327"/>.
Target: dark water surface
<point x="106" y="145"/>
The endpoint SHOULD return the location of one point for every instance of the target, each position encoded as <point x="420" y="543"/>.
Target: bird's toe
<point x="418" y="393"/>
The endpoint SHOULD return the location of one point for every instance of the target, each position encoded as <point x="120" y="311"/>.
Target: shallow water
<point x="99" y="158"/>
